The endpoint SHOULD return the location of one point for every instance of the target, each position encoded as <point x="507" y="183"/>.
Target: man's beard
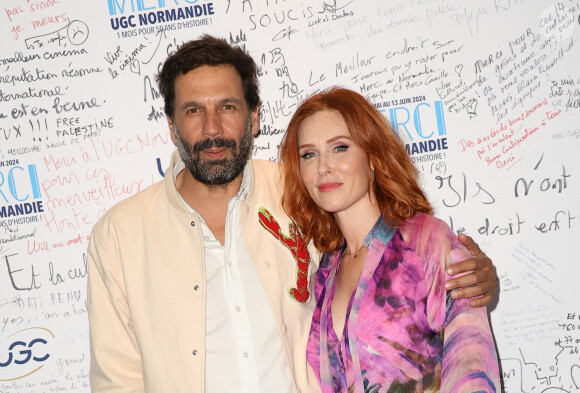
<point x="215" y="172"/>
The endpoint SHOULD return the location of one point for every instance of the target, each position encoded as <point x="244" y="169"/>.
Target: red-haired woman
<point x="383" y="320"/>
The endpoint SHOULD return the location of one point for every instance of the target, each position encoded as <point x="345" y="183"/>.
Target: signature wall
<point x="485" y="94"/>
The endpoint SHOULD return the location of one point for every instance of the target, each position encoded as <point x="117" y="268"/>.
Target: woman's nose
<point x="325" y="164"/>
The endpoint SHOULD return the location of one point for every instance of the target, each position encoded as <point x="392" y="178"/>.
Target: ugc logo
<point x="24" y="352"/>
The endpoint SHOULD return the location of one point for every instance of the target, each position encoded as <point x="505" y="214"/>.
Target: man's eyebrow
<point x="231" y="100"/>
<point x="196" y="104"/>
<point x="191" y="104"/>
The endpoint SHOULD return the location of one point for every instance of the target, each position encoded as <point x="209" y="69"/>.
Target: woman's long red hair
<point x="394" y="182"/>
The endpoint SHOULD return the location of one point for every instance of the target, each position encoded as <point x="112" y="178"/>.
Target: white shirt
<point x="244" y="351"/>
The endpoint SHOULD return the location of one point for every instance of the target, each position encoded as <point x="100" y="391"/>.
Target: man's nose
<point x="212" y="126"/>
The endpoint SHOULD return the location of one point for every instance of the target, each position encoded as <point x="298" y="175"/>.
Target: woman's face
<point x="333" y="168"/>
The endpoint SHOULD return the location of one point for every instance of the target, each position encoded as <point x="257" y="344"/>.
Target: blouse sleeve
<point x="469" y="361"/>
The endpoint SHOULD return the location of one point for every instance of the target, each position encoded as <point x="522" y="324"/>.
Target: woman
<point x="383" y="321"/>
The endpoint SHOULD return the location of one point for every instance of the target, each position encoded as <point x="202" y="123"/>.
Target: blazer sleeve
<point x="469" y="361"/>
<point x="115" y="356"/>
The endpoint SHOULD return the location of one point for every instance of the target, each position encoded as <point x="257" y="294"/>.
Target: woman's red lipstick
<point x="330" y="186"/>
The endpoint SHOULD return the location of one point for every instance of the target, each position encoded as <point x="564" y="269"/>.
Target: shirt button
<point x="245" y="354"/>
<point x="266" y="264"/>
<point x="196" y="287"/>
<point x="193" y="223"/>
<point x="238" y="309"/>
<point x="230" y="263"/>
<point x="284" y="328"/>
<point x="194" y="352"/>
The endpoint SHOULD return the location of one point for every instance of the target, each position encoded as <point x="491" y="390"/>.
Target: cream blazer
<point x="146" y="288"/>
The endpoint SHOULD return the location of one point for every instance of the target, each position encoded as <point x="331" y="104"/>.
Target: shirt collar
<point x="380" y="230"/>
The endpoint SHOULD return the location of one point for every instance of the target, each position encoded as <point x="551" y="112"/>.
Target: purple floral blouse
<point x="403" y="333"/>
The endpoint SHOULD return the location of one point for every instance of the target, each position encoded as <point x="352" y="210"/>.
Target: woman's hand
<point x="479" y="283"/>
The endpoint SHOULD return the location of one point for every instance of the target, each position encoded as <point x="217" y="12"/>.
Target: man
<point x="200" y="282"/>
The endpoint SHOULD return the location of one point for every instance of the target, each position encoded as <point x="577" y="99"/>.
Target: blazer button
<point x="193" y="223"/>
<point x="196" y="287"/>
<point x="194" y="352"/>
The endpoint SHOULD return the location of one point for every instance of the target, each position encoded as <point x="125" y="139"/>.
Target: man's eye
<point x="193" y="110"/>
<point x="228" y="107"/>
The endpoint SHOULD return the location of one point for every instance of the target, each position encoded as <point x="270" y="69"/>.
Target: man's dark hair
<point x="208" y="51"/>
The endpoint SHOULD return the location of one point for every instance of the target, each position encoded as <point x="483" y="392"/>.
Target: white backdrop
<point x="485" y="93"/>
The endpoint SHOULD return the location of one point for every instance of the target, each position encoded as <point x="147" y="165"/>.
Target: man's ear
<point x="255" y="115"/>
<point x="171" y="126"/>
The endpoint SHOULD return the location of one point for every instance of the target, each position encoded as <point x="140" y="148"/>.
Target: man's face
<point x="212" y="125"/>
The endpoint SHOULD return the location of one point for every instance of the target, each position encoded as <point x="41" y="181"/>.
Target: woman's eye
<point x="307" y="155"/>
<point x="341" y="148"/>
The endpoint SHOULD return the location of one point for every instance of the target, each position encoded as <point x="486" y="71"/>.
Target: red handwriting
<point x="79" y="187"/>
<point x="106" y="148"/>
<point x="49" y="20"/>
<point x="13" y="11"/>
<point x="33" y="7"/>
<point x="35" y="246"/>
<point x="500" y="146"/>
<point x="102" y="185"/>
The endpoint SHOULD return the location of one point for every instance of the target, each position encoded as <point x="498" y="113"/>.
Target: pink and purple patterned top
<point x="403" y="333"/>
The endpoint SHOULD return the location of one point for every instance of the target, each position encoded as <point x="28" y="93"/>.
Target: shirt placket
<point x="237" y="304"/>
